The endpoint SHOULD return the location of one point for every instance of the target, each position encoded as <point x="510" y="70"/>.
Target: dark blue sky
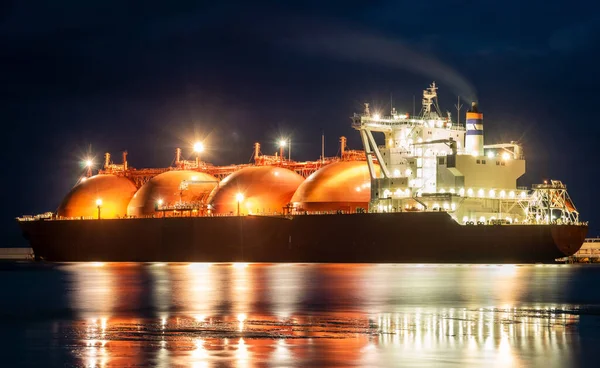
<point x="151" y="77"/>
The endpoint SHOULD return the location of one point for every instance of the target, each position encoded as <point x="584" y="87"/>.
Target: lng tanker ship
<point x="433" y="192"/>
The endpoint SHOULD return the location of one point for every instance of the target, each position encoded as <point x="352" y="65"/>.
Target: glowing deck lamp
<point x="89" y="163"/>
<point x="98" y="204"/>
<point x="282" y="144"/>
<point x="239" y="198"/>
<point x="158" y="206"/>
<point x="198" y="148"/>
<point x="506" y="156"/>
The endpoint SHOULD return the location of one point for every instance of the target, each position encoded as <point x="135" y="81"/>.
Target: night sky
<point x="108" y="76"/>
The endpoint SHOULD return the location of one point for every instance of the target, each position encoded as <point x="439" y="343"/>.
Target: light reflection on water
<point x="291" y="315"/>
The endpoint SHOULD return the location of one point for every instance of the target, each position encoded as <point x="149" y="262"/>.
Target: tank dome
<point x="115" y="192"/>
<point x="165" y="187"/>
<point x="265" y="189"/>
<point x="338" y="186"/>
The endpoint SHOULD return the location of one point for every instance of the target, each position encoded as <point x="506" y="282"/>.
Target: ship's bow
<point x="569" y="238"/>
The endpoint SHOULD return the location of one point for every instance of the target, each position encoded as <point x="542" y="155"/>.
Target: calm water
<point x="296" y="315"/>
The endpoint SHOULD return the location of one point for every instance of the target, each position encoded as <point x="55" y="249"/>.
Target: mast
<point x="458" y="108"/>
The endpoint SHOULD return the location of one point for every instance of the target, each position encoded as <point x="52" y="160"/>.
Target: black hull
<point x="358" y="238"/>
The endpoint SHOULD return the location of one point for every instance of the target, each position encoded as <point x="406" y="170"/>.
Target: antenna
<point x="413" y="114"/>
<point x="322" y="146"/>
<point x="391" y="104"/>
<point x="458" y="107"/>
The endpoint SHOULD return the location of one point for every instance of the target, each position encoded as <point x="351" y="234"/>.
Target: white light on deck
<point x="490" y="154"/>
<point x="506" y="156"/>
<point x="376" y="117"/>
<point x="198" y="147"/>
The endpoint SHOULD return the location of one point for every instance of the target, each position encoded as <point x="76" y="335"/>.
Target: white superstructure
<point x="430" y="163"/>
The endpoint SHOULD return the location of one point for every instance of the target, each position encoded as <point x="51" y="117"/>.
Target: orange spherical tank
<point x="342" y="185"/>
<point x="109" y="192"/>
<point x="257" y="189"/>
<point x="166" y="188"/>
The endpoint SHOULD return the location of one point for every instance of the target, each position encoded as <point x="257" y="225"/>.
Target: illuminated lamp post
<point x="88" y="164"/>
<point x="198" y="148"/>
<point x="98" y="204"/>
<point x="282" y="144"/>
<point x="159" y="204"/>
<point x="240" y="198"/>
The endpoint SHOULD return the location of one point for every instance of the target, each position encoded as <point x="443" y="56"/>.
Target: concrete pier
<point x="17" y="254"/>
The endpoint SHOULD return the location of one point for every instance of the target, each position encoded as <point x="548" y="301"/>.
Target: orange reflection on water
<point x="367" y="315"/>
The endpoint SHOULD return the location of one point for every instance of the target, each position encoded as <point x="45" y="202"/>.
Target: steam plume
<point x="374" y="49"/>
